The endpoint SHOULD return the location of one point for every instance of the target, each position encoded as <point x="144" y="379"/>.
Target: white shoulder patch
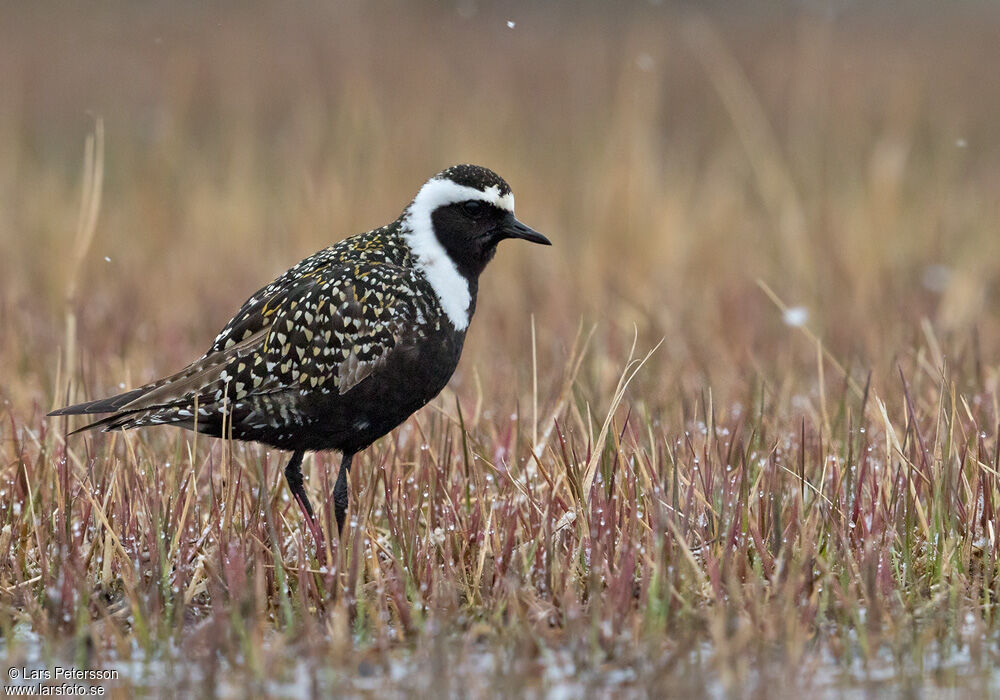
<point x="449" y="285"/>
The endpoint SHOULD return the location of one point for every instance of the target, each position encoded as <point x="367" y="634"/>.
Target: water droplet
<point x="795" y="316"/>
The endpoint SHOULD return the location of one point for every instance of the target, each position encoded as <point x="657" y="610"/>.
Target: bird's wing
<point x="246" y="330"/>
<point x="333" y="333"/>
<point x="257" y="312"/>
<point x="379" y="247"/>
<point x="326" y="332"/>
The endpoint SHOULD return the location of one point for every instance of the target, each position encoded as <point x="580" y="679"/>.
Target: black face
<point x="471" y="230"/>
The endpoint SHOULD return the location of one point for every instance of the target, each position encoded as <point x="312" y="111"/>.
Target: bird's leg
<point x="340" y="492"/>
<point x="293" y="473"/>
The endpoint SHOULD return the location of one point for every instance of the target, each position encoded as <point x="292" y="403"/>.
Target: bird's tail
<point x="118" y="405"/>
<point x="110" y="404"/>
<point x="168" y="400"/>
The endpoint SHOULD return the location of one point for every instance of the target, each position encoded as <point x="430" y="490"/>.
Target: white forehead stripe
<point x="440" y="192"/>
<point x="451" y="288"/>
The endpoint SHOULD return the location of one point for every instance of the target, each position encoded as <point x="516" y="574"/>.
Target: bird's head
<point x="464" y="212"/>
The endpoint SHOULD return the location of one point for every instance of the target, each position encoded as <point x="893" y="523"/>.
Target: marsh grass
<point x="735" y="433"/>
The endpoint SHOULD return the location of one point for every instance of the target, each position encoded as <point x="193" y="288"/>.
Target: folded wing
<point x="326" y="331"/>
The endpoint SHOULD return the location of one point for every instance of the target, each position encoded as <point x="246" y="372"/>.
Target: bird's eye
<point x="473" y="207"/>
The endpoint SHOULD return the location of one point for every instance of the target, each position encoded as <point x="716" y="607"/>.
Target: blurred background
<point x="845" y="155"/>
<point x="739" y="181"/>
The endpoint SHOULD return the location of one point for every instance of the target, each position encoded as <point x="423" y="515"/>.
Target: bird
<point x="345" y="345"/>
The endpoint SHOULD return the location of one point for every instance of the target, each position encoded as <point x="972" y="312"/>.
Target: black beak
<point x="512" y="228"/>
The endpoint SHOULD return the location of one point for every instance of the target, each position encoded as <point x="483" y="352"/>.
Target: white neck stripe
<point x="451" y="288"/>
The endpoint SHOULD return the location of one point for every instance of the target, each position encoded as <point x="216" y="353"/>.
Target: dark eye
<point x="473" y="207"/>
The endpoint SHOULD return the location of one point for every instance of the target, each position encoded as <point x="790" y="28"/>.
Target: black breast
<point x="413" y="374"/>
